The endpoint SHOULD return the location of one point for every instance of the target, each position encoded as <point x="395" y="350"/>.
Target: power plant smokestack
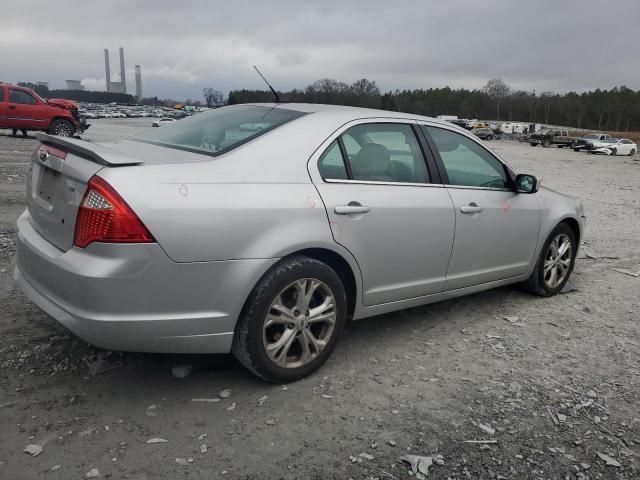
<point x="107" y="72"/>
<point x="138" y="83"/>
<point x="122" y="78"/>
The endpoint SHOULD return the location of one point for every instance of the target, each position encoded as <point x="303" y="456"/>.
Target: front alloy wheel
<point x="62" y="128"/>
<point x="557" y="261"/>
<point x="300" y="322"/>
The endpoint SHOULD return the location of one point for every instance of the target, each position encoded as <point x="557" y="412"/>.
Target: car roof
<point x="343" y="111"/>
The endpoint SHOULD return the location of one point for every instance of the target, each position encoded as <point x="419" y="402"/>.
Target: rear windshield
<point x="219" y="131"/>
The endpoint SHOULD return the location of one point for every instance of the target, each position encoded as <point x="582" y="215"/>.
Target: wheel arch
<point x="574" y="225"/>
<point x="340" y="265"/>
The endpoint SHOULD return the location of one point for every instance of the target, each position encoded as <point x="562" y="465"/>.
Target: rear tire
<point x="533" y="144"/>
<point x="632" y="153"/>
<point x="489" y="137"/>
<point x="542" y="282"/>
<point x="275" y="310"/>
<point x="62" y="128"/>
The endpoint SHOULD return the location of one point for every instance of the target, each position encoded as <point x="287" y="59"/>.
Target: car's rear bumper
<point x="133" y="297"/>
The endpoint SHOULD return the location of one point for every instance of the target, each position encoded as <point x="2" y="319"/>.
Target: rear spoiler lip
<point x="96" y="153"/>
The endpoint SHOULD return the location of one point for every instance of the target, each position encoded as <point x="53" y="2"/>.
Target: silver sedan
<point x="260" y="229"/>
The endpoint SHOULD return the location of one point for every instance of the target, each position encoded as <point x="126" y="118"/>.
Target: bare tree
<point x="212" y="97"/>
<point x="547" y="99"/>
<point x="497" y="91"/>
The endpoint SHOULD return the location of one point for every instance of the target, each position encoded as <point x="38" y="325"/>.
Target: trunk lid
<point x="60" y="171"/>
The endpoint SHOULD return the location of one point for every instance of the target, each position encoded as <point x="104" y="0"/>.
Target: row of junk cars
<point x="596" y="143"/>
<point x="113" y="110"/>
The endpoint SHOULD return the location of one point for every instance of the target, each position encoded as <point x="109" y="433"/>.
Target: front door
<point x="384" y="209"/>
<point x="496" y="228"/>
<point x="25" y="111"/>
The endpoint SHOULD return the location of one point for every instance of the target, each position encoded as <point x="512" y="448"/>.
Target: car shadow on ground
<point x="363" y="338"/>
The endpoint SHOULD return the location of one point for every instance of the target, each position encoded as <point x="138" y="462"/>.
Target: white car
<point x="162" y="121"/>
<point x="615" y="146"/>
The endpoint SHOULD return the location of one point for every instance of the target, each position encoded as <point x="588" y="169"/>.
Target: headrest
<point x="371" y="159"/>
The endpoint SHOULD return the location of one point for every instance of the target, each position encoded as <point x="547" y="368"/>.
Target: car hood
<point x="62" y="103"/>
<point x="551" y="192"/>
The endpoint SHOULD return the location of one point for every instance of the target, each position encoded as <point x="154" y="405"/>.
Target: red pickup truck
<point x="23" y="109"/>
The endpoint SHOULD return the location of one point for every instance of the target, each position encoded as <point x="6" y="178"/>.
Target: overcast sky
<point x="184" y="45"/>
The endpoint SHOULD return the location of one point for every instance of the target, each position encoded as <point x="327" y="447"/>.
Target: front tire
<point x="62" y="128"/>
<point x="555" y="263"/>
<point x="632" y="152"/>
<point x="613" y="152"/>
<point x="292" y="320"/>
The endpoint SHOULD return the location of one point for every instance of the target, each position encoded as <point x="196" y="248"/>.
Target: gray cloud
<point x="186" y="45"/>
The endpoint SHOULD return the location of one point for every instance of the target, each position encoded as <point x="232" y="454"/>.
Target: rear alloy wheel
<point x="62" y="128"/>
<point x="292" y="320"/>
<point x="555" y="263"/>
<point x="489" y="137"/>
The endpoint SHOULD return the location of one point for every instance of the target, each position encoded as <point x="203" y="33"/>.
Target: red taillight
<point x="104" y="216"/>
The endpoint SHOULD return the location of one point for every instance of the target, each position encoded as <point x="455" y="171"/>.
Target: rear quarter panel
<point x="256" y="201"/>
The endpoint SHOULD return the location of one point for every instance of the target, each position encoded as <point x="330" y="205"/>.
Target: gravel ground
<point x="550" y="386"/>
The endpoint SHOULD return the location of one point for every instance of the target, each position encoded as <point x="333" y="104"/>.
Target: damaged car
<point x="23" y="109"/>
<point x="614" y="146"/>
<point x="259" y="229"/>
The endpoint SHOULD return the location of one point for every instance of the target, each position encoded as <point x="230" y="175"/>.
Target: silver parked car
<point x="259" y="229"/>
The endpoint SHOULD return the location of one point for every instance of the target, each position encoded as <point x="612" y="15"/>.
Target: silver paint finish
<point x="494" y="240"/>
<point x="402" y="244"/>
<point x="221" y="223"/>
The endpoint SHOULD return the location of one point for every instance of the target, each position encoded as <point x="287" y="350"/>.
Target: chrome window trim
<point x="371" y="182"/>
<point x="469" y="187"/>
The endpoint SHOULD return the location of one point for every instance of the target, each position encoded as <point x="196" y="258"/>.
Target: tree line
<point x="617" y="109"/>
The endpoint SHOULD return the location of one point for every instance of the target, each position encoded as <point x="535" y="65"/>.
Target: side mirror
<point x="526" y="183"/>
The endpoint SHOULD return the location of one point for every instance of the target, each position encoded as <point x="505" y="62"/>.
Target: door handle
<point x="351" y="209"/>
<point x="471" y="208"/>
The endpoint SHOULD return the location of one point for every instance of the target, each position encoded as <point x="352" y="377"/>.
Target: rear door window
<point x="385" y="152"/>
<point x="1" y="94"/>
<point x="331" y="164"/>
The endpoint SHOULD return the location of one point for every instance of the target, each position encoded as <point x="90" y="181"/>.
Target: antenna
<point x="265" y="81"/>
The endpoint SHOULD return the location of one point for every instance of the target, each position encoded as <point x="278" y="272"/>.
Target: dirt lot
<point x="554" y="391"/>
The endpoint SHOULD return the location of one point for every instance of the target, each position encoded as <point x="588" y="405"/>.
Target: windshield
<point x="219" y="131"/>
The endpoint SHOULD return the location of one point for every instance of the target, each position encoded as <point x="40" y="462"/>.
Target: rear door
<point x="624" y="147"/>
<point x="387" y="208"/>
<point x="496" y="229"/>
<point x="25" y="111"/>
